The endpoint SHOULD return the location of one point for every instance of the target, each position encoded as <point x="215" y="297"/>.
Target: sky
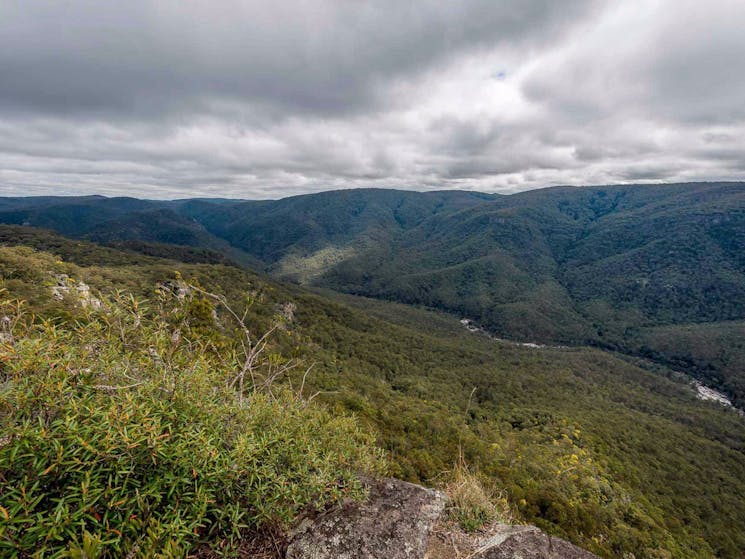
<point x="258" y="99"/>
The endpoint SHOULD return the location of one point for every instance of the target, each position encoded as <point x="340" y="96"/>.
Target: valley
<point x="654" y="271"/>
<point x="554" y="372"/>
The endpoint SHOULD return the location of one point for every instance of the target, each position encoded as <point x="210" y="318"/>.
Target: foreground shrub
<point x="123" y="435"/>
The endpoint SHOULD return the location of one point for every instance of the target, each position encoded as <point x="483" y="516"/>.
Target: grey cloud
<point x="327" y="56"/>
<point x="268" y="99"/>
<point x="683" y="63"/>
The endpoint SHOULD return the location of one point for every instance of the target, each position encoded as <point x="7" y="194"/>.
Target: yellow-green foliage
<point x="305" y="269"/>
<point x="555" y="480"/>
<point x="121" y="434"/>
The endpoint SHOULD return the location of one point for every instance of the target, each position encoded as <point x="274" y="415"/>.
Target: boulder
<point x="527" y="542"/>
<point x="393" y="523"/>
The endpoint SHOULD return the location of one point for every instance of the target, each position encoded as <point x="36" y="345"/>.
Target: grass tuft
<point x="470" y="503"/>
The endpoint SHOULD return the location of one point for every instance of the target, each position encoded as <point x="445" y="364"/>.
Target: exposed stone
<point x="177" y="287"/>
<point x="527" y="542"/>
<point x="287" y="311"/>
<point x="80" y="291"/>
<point x="393" y="523"/>
<point x="6" y="335"/>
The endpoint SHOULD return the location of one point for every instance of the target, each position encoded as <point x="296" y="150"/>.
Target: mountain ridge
<point x="595" y="265"/>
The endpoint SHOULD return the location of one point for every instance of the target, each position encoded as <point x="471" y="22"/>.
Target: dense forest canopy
<point x="628" y="268"/>
<point x="607" y="449"/>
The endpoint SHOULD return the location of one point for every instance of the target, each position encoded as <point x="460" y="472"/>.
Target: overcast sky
<point x="263" y="99"/>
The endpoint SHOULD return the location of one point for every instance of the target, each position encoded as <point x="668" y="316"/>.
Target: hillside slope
<point x="591" y="447"/>
<point x="597" y="265"/>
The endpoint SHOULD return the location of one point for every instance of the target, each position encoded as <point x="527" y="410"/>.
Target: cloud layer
<point x="257" y="99"/>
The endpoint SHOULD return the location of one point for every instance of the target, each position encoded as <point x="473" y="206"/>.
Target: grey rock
<point x="393" y="523"/>
<point x="527" y="542"/>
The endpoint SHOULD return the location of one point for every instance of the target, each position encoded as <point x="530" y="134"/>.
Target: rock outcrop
<point x="527" y="542"/>
<point x="79" y="291"/>
<point x="394" y="523"/>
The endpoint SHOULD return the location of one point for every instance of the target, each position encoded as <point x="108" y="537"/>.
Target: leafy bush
<point x="123" y="435"/>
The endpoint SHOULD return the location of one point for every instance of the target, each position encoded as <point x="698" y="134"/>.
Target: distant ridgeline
<point x="127" y="337"/>
<point x="652" y="270"/>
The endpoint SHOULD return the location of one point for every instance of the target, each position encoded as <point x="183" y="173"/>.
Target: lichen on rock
<point x="393" y="523"/>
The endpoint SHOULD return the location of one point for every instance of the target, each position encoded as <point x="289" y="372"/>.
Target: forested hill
<point x="653" y="270"/>
<point x="126" y="426"/>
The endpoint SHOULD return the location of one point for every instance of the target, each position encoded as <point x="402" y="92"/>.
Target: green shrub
<point x="122" y="435"/>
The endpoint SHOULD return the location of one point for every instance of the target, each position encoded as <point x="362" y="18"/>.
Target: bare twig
<point x="254" y="354"/>
<point x="112" y="388"/>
